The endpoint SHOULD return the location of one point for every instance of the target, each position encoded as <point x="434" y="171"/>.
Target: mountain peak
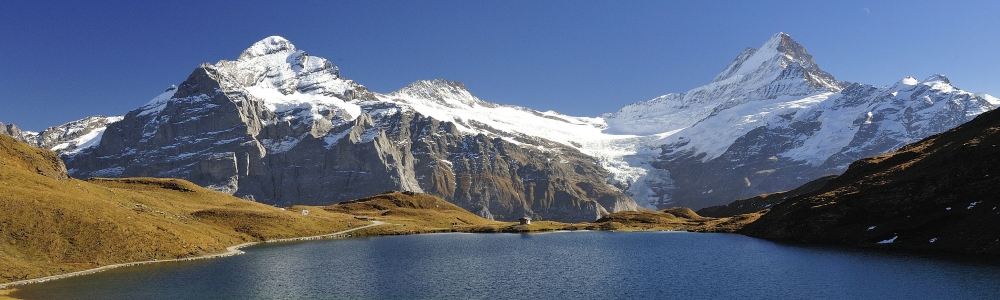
<point x="937" y="77"/>
<point x="269" y="45"/>
<point x="438" y="89"/>
<point x="778" y="53"/>
<point x="790" y="47"/>
<point x="438" y="83"/>
<point x="777" y="40"/>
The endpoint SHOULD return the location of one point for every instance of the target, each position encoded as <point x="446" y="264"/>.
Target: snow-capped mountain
<point x="282" y="127"/>
<point x="771" y="121"/>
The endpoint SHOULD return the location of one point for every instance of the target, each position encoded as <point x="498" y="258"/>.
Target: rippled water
<point x="570" y="265"/>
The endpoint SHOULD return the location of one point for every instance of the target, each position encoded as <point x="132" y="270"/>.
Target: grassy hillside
<point x="52" y="224"/>
<point x="677" y="218"/>
<point x="409" y="208"/>
<point x="410" y="213"/>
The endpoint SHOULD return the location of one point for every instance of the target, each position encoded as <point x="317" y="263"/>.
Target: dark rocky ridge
<point x="941" y="193"/>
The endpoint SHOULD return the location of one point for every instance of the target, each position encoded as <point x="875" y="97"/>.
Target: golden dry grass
<point x="51" y="224"/>
<point x="408" y="213"/>
<point x="5" y="294"/>
<point x="673" y="219"/>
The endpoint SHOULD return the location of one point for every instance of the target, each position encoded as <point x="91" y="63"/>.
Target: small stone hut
<point x="525" y="220"/>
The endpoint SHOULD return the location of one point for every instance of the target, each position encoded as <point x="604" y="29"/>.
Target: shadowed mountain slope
<point x="941" y="193"/>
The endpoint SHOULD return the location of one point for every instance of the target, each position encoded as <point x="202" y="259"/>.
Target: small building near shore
<point x="525" y="220"/>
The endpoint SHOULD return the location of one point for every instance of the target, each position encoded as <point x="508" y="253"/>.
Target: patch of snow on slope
<point x="83" y="142"/>
<point x="280" y="145"/>
<point x="889" y="241"/>
<point x="158" y="103"/>
<point x="973" y="204"/>
<point x="989" y="98"/>
<point x="87" y="140"/>
<point x="333" y="138"/>
<point x="277" y="102"/>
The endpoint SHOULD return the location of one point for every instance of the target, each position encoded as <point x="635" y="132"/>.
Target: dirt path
<point x="230" y="251"/>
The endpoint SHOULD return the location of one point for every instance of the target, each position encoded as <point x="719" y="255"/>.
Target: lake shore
<point x="418" y="214"/>
<point x="5" y="288"/>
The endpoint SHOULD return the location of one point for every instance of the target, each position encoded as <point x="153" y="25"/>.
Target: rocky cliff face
<point x="937" y="194"/>
<point x="282" y="127"/>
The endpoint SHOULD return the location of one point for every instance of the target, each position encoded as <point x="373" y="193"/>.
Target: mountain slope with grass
<point x="53" y="224"/>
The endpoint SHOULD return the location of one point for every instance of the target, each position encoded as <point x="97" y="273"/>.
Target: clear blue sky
<point x="65" y="60"/>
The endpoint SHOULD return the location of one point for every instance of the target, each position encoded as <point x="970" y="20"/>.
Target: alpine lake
<point x="556" y="265"/>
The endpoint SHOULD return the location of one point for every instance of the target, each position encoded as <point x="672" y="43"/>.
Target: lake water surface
<point x="563" y="265"/>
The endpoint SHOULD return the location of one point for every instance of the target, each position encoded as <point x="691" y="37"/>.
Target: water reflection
<point x="589" y="265"/>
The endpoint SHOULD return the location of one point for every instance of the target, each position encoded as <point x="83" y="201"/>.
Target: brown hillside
<point x="942" y="193"/>
<point x="417" y="211"/>
<point x="677" y="218"/>
<point x="51" y="224"/>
